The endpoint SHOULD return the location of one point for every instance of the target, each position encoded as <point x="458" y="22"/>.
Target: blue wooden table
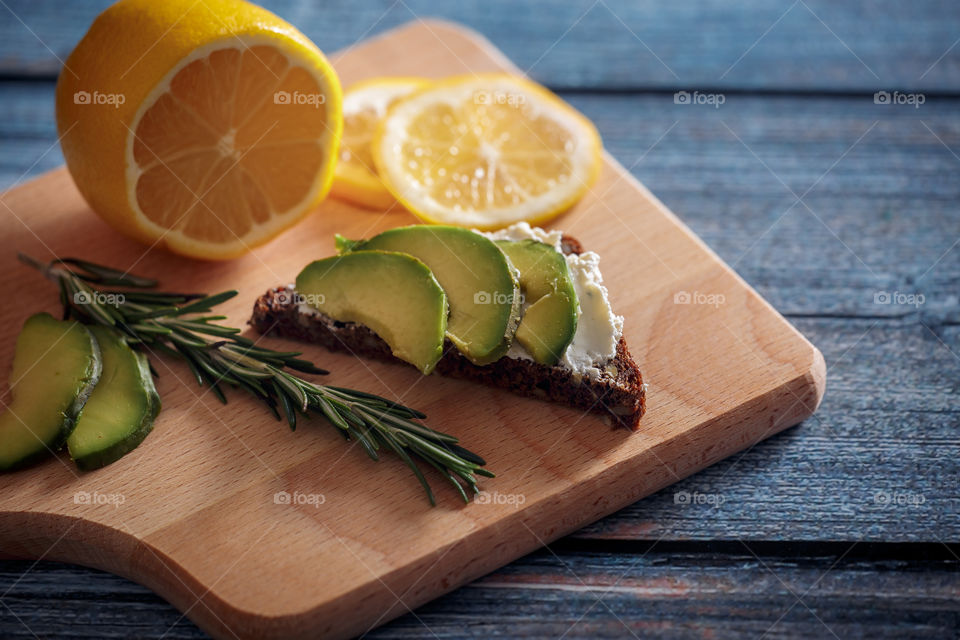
<point x="826" y="170"/>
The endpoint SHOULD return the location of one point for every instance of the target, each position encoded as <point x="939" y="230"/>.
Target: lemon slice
<point x="486" y="151"/>
<point x="207" y="127"/>
<point x="364" y="105"/>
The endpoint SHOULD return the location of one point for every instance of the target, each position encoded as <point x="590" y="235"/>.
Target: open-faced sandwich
<point x="521" y="309"/>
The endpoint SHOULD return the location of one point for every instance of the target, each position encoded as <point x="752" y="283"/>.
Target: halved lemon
<point x="486" y="151"/>
<point x="209" y="127"/>
<point x="364" y="105"/>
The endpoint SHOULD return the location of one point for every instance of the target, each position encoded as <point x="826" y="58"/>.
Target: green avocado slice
<point x="550" y="321"/>
<point x="476" y="276"/>
<point x="393" y="294"/>
<point x="121" y="409"/>
<point x="56" y="365"/>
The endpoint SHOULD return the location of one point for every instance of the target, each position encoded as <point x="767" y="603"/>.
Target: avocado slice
<point x="478" y="279"/>
<point x="550" y="321"/>
<point x="393" y="294"/>
<point x="121" y="409"/>
<point x="55" y="368"/>
<point x="548" y="326"/>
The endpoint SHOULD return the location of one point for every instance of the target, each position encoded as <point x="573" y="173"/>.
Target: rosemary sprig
<point x="178" y="324"/>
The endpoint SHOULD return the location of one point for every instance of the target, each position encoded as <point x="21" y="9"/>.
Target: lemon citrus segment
<point x="486" y="151"/>
<point x="364" y="105"/>
<point x="230" y="149"/>
<point x="224" y="133"/>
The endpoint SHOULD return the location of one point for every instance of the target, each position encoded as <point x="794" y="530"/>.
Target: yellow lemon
<point x="364" y="105"/>
<point x="486" y="151"/>
<point x="208" y="127"/>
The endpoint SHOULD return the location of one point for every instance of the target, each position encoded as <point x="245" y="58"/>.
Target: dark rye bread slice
<point x="618" y="393"/>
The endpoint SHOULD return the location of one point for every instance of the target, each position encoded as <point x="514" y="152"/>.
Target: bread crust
<point x="618" y="392"/>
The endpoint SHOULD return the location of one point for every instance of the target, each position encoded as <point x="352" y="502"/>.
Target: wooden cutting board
<point x="193" y="512"/>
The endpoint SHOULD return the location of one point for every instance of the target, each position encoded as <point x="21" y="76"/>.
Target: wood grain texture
<point x="266" y="570"/>
<point x="814" y="45"/>
<point x="742" y="591"/>
<point x="725" y="591"/>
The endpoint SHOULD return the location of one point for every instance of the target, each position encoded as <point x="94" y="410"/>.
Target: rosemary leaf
<point x="206" y="303"/>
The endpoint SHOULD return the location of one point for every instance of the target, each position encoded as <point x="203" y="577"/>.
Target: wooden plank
<point x="29" y="132"/>
<point x="668" y="594"/>
<point x="910" y="406"/>
<point x="815" y="45"/>
<point x="667" y="591"/>
<point x="337" y="570"/>
<point x="55" y="600"/>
